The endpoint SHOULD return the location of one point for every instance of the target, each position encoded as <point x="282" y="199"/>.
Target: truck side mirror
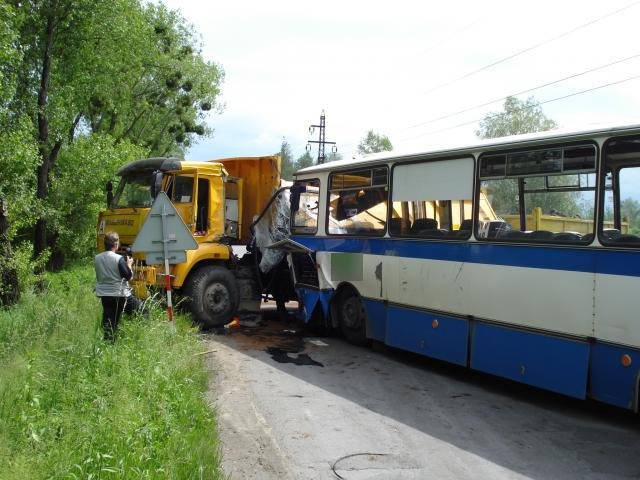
<point x="156" y="185"/>
<point x="109" y="194"/>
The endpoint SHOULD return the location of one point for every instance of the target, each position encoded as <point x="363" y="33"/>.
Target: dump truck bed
<point x="260" y="178"/>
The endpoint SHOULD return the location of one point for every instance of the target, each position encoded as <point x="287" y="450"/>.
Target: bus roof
<point x="485" y="145"/>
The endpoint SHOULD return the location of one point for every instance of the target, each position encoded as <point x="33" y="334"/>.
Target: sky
<point x="398" y="67"/>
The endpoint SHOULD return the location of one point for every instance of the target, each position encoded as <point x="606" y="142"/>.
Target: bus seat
<point x="421" y="224"/>
<point x="540" y="235"/>
<point x="362" y="227"/>
<point x="513" y="235"/>
<point x="432" y="232"/>
<point x="396" y="224"/>
<point x="466" y="224"/>
<point x="498" y="228"/>
<point x="611" y="233"/>
<point x="627" y="238"/>
<point x="588" y="238"/>
<point x="567" y="237"/>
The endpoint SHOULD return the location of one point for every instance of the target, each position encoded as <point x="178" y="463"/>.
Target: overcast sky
<point x="395" y="67"/>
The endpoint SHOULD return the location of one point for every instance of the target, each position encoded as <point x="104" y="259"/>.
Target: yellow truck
<point x="218" y="201"/>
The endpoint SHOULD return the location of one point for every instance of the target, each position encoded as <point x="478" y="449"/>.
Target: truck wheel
<point x="212" y="295"/>
<point x="352" y="318"/>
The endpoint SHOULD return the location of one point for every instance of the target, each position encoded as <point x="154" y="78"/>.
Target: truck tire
<point x="212" y="294"/>
<point x="352" y="318"/>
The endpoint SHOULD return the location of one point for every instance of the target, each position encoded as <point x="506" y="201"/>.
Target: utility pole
<point x="321" y="139"/>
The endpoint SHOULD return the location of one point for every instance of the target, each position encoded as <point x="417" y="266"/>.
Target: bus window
<point x="621" y="220"/>
<point x="358" y="202"/>
<point x="432" y="199"/>
<point x="543" y="195"/>
<point x="304" y="206"/>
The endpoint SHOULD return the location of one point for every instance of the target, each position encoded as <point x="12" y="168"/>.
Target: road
<point x="296" y="407"/>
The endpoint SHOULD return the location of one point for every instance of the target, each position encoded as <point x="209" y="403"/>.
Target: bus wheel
<point x="352" y="317"/>
<point x="213" y="296"/>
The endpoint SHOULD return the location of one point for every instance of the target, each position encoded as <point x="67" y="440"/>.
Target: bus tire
<point x="352" y="318"/>
<point x="212" y="294"/>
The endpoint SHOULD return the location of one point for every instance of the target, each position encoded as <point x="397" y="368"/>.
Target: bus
<point x="518" y="257"/>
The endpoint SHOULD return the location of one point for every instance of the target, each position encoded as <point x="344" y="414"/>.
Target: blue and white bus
<point x="518" y="257"/>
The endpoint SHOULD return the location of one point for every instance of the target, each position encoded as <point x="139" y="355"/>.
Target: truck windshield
<point x="134" y="191"/>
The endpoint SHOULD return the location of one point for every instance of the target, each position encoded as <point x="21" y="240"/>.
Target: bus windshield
<point x="134" y="191"/>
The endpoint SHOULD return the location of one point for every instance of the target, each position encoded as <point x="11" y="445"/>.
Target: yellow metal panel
<point x="205" y="251"/>
<point x="261" y="177"/>
<point x="216" y="209"/>
<point x="553" y="223"/>
<point x="126" y="222"/>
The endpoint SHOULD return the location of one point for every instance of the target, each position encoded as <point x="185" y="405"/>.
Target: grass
<point x="74" y="406"/>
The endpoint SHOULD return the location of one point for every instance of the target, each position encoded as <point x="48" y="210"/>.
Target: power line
<point x="537" y="104"/>
<point x="515" y="94"/>
<point x="532" y="47"/>
<point x="527" y="90"/>
<point x="521" y="92"/>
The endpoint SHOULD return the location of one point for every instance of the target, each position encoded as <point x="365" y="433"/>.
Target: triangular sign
<point x="164" y="225"/>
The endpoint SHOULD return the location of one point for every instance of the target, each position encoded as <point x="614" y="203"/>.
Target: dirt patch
<point x="273" y="334"/>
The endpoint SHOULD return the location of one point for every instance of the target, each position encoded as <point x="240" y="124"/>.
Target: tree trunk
<point x="48" y="155"/>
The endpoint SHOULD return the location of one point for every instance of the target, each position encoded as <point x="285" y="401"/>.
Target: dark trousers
<point x="112" y="308"/>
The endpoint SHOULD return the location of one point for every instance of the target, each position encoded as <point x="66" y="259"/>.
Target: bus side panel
<point x="610" y="380"/>
<point x="617" y="302"/>
<point x="309" y="298"/>
<point x="552" y="363"/>
<point x="437" y="336"/>
<point x="376" y="319"/>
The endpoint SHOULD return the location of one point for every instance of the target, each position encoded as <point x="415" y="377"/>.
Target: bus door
<point x="615" y="353"/>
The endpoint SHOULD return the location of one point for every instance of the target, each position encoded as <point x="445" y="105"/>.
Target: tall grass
<point x="74" y="406"/>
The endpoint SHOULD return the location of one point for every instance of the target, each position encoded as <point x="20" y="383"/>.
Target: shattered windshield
<point x="134" y="191"/>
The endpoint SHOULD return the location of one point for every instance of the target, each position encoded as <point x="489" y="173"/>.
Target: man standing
<point x="113" y="273"/>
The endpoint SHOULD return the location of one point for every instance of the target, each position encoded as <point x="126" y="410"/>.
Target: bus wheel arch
<point x="211" y="293"/>
<point x="348" y="314"/>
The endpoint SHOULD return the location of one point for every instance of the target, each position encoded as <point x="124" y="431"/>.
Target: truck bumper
<point x="143" y="278"/>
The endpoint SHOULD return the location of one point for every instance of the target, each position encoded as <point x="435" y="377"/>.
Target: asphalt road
<point x="296" y="407"/>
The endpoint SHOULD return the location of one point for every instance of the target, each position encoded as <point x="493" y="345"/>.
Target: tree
<point x="333" y="157"/>
<point x="163" y="95"/>
<point x="630" y="213"/>
<point x="286" y="160"/>
<point x="518" y="117"/>
<point x="84" y="169"/>
<point x="18" y="158"/>
<point x="374" y="143"/>
<point x="110" y="67"/>
<point x="304" y="161"/>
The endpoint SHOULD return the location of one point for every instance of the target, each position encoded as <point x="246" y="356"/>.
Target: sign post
<point x="164" y="238"/>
